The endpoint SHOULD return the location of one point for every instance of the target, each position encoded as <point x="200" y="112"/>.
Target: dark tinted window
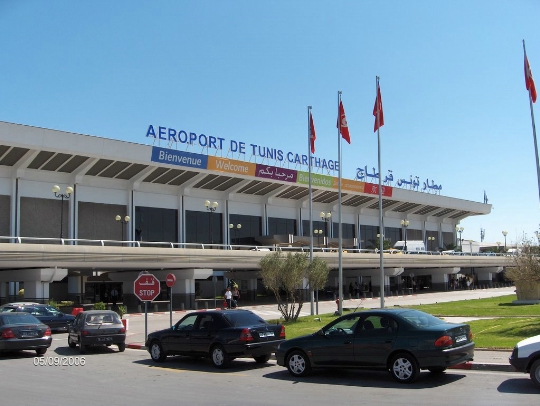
<point x="19" y="318"/>
<point x="238" y="318"/>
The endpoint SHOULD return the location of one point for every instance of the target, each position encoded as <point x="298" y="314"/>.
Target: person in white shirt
<point x="228" y="297"/>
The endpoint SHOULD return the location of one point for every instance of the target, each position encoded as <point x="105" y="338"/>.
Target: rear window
<point x="102" y="318"/>
<point x="18" y="318"/>
<point x="421" y="319"/>
<point x="241" y="318"/>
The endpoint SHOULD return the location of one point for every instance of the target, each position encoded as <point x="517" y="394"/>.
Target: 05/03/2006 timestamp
<point x="59" y="361"/>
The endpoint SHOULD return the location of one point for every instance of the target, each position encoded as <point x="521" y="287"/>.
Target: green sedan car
<point x="402" y="341"/>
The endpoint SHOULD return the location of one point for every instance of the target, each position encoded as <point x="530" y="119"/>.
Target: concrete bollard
<point x="139" y="308"/>
<point x="206" y="305"/>
<point x="182" y="306"/>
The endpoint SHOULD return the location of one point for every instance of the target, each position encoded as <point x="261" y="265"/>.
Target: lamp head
<point x="207" y="203"/>
<point x="69" y="190"/>
<point x="127" y="218"/>
<point x="56" y="189"/>
<point x="118" y="218"/>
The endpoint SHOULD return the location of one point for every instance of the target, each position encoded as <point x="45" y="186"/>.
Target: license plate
<point x="28" y="334"/>
<point x="460" y="339"/>
<point x="266" y="334"/>
<point x="104" y="339"/>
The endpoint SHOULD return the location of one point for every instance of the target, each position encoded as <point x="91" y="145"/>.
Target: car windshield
<point x="242" y="318"/>
<point x="421" y="319"/>
<point x="41" y="310"/>
<point x="19" y="318"/>
<point x="102" y="318"/>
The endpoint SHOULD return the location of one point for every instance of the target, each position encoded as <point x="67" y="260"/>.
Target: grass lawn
<point x="511" y="323"/>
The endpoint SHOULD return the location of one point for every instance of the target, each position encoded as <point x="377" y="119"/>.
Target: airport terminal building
<point x="194" y="191"/>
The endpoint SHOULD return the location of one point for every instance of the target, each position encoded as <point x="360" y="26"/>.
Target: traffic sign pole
<point x="145" y="321"/>
<point x="170" y="281"/>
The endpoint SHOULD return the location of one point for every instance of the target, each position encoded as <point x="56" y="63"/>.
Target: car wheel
<point x="71" y="343"/>
<point x="404" y="368"/>
<point x="41" y="351"/>
<point x="261" y="359"/>
<point x="156" y="352"/>
<point x="298" y="364"/>
<point x="535" y="372"/>
<point x="437" y="370"/>
<point x="121" y="347"/>
<point x="219" y="356"/>
<point x="82" y="347"/>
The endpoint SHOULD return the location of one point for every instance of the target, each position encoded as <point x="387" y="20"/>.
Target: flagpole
<point x="310" y="207"/>
<point x="533" y="125"/>
<point x="381" y="225"/>
<point x="340" y="244"/>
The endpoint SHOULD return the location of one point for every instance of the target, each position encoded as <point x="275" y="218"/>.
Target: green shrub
<point x="52" y="303"/>
<point x="99" y="306"/>
<point x="121" y="310"/>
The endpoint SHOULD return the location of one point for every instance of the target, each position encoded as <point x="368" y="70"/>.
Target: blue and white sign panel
<point x="181" y="158"/>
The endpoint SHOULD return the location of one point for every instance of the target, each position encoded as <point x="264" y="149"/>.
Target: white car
<point x="526" y="358"/>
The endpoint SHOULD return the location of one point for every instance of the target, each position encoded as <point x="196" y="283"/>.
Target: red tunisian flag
<point x="377" y="108"/>
<point x="312" y="136"/>
<point x="529" y="81"/>
<point x="342" y="123"/>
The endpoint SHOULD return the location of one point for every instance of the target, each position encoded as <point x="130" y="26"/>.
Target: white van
<point x="412" y="245"/>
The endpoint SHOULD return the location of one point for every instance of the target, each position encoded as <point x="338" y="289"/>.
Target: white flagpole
<point x="533" y="125"/>
<point x="340" y="244"/>
<point x="310" y="207"/>
<point x="381" y="224"/>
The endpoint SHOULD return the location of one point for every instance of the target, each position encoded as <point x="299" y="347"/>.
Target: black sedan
<point x="22" y="331"/>
<point x="47" y="314"/>
<point x="219" y="335"/>
<point x="97" y="327"/>
<point x="401" y="341"/>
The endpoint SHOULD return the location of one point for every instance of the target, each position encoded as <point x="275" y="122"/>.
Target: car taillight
<point x="470" y="335"/>
<point x="47" y="332"/>
<point x="85" y="332"/>
<point x="245" y="335"/>
<point x="444" y="341"/>
<point x="282" y="333"/>
<point x="8" y="333"/>
<point x="122" y="330"/>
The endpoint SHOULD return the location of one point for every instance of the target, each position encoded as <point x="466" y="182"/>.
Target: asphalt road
<point x="131" y="378"/>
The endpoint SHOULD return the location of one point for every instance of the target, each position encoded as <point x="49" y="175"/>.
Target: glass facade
<point x="155" y="224"/>
<point x="277" y="226"/>
<point x="251" y="227"/>
<point x="204" y="227"/>
<point x="368" y="235"/>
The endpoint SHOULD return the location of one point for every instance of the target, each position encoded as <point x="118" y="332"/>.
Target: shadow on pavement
<point x="367" y="378"/>
<point x="202" y="364"/>
<point x="519" y="385"/>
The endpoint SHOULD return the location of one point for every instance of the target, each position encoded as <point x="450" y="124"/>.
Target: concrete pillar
<point x="439" y="282"/>
<point x="36" y="291"/>
<point x="485" y="276"/>
<point x="3" y="292"/>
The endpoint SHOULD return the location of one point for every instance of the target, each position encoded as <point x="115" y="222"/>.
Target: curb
<point x="136" y="346"/>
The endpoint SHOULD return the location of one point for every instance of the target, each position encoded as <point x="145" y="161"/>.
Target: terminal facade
<point x="110" y="190"/>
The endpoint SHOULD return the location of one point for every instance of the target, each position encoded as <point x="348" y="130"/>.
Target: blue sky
<point x="455" y="105"/>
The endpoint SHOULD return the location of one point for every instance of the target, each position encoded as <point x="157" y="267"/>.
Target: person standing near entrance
<point x="114" y="296"/>
<point x="228" y="297"/>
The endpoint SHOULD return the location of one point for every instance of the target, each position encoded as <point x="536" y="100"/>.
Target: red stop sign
<point x="170" y="280"/>
<point x="146" y="287"/>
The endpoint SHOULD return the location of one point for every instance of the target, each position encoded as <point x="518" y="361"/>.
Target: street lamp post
<point x="405" y="225"/>
<point x="236" y="229"/>
<point x="211" y="207"/>
<point x="122" y="221"/>
<point x="430" y="240"/>
<point x="505" y="233"/>
<point x="326" y="218"/>
<point x="460" y="230"/>
<point x="68" y="192"/>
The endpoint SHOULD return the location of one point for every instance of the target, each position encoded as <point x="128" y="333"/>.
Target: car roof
<point x="97" y="312"/>
<point x="21" y="304"/>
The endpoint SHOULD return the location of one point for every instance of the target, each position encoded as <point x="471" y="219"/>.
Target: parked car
<point x="221" y="335"/>
<point x="526" y="358"/>
<point x="402" y="341"/>
<point x="97" y="327"/>
<point x="47" y="314"/>
<point x="22" y="331"/>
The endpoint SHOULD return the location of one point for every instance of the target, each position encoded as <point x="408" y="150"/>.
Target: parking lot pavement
<point x="483" y="359"/>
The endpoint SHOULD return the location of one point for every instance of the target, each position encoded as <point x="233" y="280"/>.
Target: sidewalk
<point x="492" y="360"/>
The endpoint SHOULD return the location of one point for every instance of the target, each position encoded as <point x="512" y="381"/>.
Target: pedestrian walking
<point x="228" y="298"/>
